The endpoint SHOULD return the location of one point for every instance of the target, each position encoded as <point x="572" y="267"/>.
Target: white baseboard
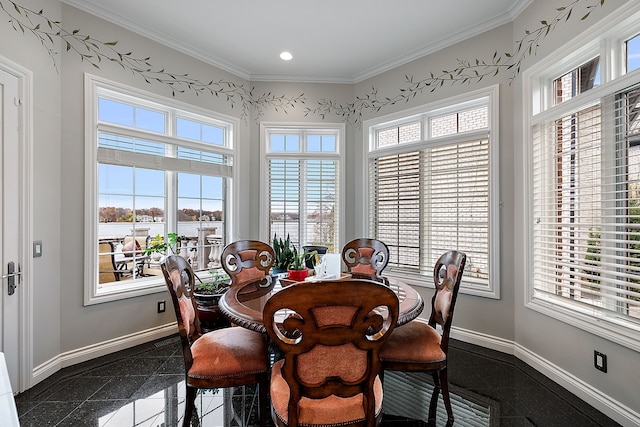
<point x="83" y="354"/>
<point x="594" y="397"/>
<point x="483" y="340"/>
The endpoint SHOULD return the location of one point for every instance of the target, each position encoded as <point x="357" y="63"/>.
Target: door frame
<point x="25" y="141"/>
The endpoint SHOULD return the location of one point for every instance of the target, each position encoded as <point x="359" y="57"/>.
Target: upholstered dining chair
<point x="330" y="334"/>
<point x="221" y="358"/>
<point x="108" y="270"/>
<point x="418" y="346"/>
<point x="366" y="258"/>
<point x="247" y="260"/>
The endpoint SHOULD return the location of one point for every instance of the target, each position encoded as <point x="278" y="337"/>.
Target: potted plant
<point x="217" y="283"/>
<point x="298" y="267"/>
<point x="159" y="245"/>
<point x="207" y="294"/>
<point x="283" y="255"/>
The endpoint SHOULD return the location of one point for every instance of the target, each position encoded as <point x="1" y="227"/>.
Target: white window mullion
<point x="426" y="207"/>
<point x="303" y="209"/>
<point x="313" y="192"/>
<point x="443" y="201"/>
<point x="136" y="153"/>
<point x="586" y="236"/>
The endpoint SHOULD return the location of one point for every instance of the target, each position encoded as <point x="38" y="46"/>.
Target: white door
<point x="10" y="226"/>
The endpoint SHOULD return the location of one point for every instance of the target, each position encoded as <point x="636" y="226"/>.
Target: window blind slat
<point x="303" y="200"/>
<point x="446" y="188"/>
<point x="586" y="235"/>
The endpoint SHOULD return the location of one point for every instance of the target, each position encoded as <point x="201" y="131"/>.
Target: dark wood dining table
<point x="243" y="304"/>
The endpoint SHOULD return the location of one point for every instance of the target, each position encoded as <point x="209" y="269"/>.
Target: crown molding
<point x="436" y="46"/>
<point x="138" y="28"/>
<point x="95" y="9"/>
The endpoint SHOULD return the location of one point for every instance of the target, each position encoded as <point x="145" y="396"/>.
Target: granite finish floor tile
<point x="144" y="386"/>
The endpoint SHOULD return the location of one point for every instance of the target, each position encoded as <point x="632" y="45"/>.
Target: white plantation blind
<point x="302" y="183"/>
<point x="321" y="202"/>
<point x="457" y="191"/>
<point x="427" y="202"/>
<point x="430" y="191"/>
<point x="395" y="207"/>
<point x="284" y="197"/>
<point x="303" y="200"/>
<point x="586" y="207"/>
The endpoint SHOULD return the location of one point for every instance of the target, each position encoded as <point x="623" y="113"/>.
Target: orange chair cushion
<point x="366" y="252"/>
<point x="415" y="342"/>
<point x="248" y="254"/>
<point x="319" y="362"/>
<point x="363" y="269"/>
<point x="228" y="352"/>
<point x="188" y="314"/>
<point x="187" y="311"/>
<point x="332" y="410"/>
<point x="442" y="302"/>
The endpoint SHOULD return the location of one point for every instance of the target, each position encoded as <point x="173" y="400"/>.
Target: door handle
<point x="11" y="276"/>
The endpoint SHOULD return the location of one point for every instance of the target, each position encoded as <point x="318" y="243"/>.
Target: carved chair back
<point x="331" y="337"/>
<point x="220" y="358"/>
<point x="447" y="275"/>
<point x="180" y="281"/>
<point x="366" y="258"/>
<point x="247" y="260"/>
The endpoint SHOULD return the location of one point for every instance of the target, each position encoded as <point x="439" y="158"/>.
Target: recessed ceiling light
<point x="286" y="56"/>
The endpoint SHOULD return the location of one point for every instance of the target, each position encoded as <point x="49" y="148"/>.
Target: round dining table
<point x="242" y="304"/>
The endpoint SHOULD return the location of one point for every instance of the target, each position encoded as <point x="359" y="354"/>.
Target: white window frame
<point x="605" y="39"/>
<point x="92" y="86"/>
<point x="424" y="113"/>
<point x="268" y="128"/>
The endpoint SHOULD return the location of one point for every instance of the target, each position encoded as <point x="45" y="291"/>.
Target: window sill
<point x="119" y="292"/>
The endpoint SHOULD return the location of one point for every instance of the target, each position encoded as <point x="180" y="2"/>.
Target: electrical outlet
<point x="600" y="361"/>
<point x="161" y="306"/>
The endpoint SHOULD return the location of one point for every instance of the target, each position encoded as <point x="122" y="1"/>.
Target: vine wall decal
<point x="467" y="71"/>
<point x="95" y="52"/>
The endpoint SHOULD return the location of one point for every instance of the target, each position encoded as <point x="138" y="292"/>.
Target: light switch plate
<point x="600" y="361"/>
<point x="37" y="248"/>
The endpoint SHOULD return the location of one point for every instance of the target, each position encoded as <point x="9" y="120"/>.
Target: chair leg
<point x="433" y="404"/>
<point x="444" y="383"/>
<point x="263" y="393"/>
<point x="189" y="405"/>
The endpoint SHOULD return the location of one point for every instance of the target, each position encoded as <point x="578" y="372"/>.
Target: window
<point x="577" y="81"/>
<point x="585" y="199"/>
<point x="632" y="49"/>
<point x="302" y="186"/>
<point x="154" y="168"/>
<point x="431" y="184"/>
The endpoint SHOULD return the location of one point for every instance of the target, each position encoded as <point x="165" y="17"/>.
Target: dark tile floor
<point x="143" y="386"/>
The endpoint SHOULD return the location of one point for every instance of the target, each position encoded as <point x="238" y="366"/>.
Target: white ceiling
<point x="331" y="40"/>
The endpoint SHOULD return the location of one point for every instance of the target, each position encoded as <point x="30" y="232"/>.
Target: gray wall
<point x="495" y="316"/>
<point x="58" y="213"/>
<point x="564" y="347"/>
<point x="86" y="325"/>
<point x="27" y="52"/>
